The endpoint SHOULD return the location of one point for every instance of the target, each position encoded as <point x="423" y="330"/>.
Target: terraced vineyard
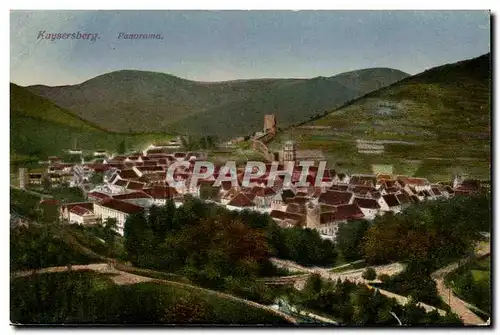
<point x="434" y="124"/>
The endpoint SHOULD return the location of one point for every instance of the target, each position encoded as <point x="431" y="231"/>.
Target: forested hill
<point x="141" y="101"/>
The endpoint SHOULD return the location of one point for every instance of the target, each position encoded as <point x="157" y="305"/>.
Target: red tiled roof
<point x="436" y="191"/>
<point x="226" y="185"/>
<point x="121" y="206"/>
<point x="161" y="192"/>
<point x="459" y="192"/>
<point x="250" y="196"/>
<point x="414" y="181"/>
<point x="154" y="168"/>
<point x="327" y="217"/>
<point x="391" y="200"/>
<point x="133" y="195"/>
<point x="98" y="195"/>
<point x="414" y="199"/>
<point x="363" y="180"/>
<point x="79" y="210"/>
<point x="157" y="151"/>
<point x="335" y="197"/>
<point x="470" y="184"/>
<point x="49" y="202"/>
<point x="87" y="205"/>
<point x="363" y="188"/>
<point x="295" y="207"/>
<point x="151" y="162"/>
<point x="280" y="215"/>
<point x="121" y="182"/>
<point x="241" y="200"/>
<point x="366" y="203"/>
<point x="128" y="174"/>
<point x="98" y="167"/>
<point x="392" y="189"/>
<point x="297" y="199"/>
<point x="342" y="188"/>
<point x="348" y="212"/>
<point x="403" y="198"/>
<point x="133" y="185"/>
<point x="263" y="191"/>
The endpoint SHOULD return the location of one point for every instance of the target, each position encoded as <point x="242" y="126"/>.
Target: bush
<point x="384" y="277"/>
<point x="369" y="274"/>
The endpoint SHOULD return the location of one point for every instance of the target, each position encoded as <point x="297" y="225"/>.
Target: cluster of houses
<point x="133" y="183"/>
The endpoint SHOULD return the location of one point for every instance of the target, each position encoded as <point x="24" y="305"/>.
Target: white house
<point x="160" y="194"/>
<point x="369" y="207"/>
<point x="100" y="153"/>
<point x="389" y="203"/>
<point x="263" y="196"/>
<point x="116" y="209"/>
<point x="81" y="215"/>
<point x="65" y="210"/>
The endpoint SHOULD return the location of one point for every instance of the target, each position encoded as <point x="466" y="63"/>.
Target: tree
<point x="350" y="237"/>
<point x="122" y="147"/>
<point x="46" y="184"/>
<point x="384" y="277"/>
<point x="97" y="178"/>
<point x="189" y="143"/>
<point x="369" y="274"/>
<point x="110" y="228"/>
<point x="134" y="233"/>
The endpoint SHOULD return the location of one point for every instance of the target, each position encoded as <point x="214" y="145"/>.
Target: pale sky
<point x="227" y="45"/>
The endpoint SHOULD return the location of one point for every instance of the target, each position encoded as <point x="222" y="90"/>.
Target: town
<point x="136" y="181"/>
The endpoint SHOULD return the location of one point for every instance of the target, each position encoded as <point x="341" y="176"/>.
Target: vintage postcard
<point x="321" y="168"/>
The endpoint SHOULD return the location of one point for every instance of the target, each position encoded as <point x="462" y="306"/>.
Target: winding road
<point x="456" y="304"/>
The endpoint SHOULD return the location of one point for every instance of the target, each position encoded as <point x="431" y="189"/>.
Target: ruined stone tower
<point x="270" y="123"/>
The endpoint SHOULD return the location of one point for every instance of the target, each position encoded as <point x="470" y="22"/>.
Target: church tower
<point x="289" y="152"/>
<point x="313" y="211"/>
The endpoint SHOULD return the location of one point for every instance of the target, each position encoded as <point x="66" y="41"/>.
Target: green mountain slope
<point x="138" y="101"/>
<point x="436" y="124"/>
<point x="39" y="128"/>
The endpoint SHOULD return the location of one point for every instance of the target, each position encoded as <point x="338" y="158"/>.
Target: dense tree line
<point x="415" y="283"/>
<point x="430" y="234"/>
<point x="350" y="238"/>
<point x="84" y="297"/>
<point x="218" y="248"/>
<point x="353" y="304"/>
<point x="35" y="247"/>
